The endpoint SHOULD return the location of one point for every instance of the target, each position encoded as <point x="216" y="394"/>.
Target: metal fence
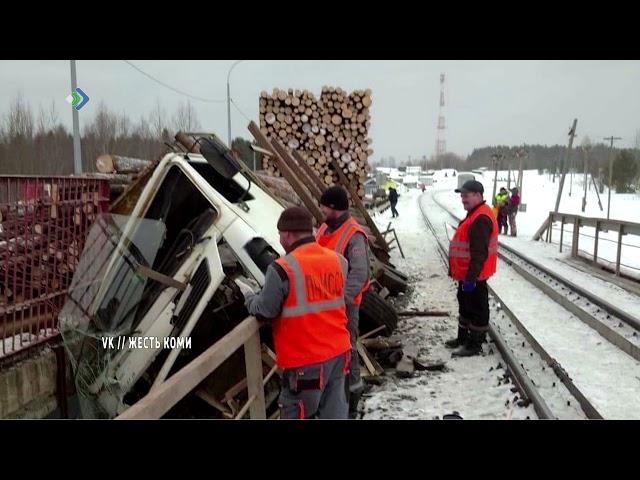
<point x="44" y="222"/>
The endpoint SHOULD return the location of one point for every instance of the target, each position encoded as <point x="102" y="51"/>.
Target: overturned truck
<point x="155" y="288"/>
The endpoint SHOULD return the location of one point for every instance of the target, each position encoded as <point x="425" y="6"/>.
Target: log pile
<point x="121" y="172"/>
<point x="333" y="126"/>
<point x="42" y="233"/>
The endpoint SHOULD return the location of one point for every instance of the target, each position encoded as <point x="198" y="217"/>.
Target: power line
<point x="238" y="108"/>
<point x="172" y="88"/>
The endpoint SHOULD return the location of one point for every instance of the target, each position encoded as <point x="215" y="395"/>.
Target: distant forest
<point x="626" y="165"/>
<point x="37" y="143"/>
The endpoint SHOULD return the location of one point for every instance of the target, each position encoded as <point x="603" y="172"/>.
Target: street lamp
<point x="229" y="102"/>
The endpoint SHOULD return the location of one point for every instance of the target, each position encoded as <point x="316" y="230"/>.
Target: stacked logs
<point x="43" y="226"/>
<point x="334" y="126"/>
<point x="119" y="171"/>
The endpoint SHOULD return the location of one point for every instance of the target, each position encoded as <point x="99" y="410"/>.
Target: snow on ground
<point x="471" y="386"/>
<point x="558" y="398"/>
<point x="607" y="376"/>
<point x="539" y="195"/>
<point x="548" y="255"/>
<point x="22" y="340"/>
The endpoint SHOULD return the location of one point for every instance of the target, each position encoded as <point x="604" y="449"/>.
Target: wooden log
<point x="116" y="163"/>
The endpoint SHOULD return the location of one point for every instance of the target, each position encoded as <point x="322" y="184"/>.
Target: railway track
<point x="614" y="324"/>
<point x="505" y="337"/>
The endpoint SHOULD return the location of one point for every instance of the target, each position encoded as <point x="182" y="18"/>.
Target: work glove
<point x="248" y="287"/>
<point x="468" y="286"/>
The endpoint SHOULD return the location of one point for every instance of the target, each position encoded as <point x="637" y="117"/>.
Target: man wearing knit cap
<point x="345" y="236"/>
<point x="304" y="297"/>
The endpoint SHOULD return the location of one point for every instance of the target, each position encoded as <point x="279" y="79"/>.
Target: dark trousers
<point x="474" y="307"/>
<point x="315" y="391"/>
<point x="394" y="212"/>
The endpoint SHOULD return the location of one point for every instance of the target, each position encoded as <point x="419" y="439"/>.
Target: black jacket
<point x="479" y="236"/>
<point x="393" y="195"/>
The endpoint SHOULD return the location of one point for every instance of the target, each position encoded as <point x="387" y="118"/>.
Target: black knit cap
<point x="295" y="219"/>
<point x="335" y="197"/>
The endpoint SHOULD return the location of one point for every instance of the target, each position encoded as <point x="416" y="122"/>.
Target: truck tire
<point x="375" y="312"/>
<point x="393" y="280"/>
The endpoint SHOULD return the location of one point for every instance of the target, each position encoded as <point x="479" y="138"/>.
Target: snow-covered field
<point x="539" y="195"/>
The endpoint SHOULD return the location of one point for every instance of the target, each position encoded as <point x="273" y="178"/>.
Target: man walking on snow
<point x="473" y="256"/>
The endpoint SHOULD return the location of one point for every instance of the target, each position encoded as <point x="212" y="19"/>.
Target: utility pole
<point x="496" y="158"/>
<point x="572" y="169"/>
<point x="586" y="149"/>
<point x="521" y="153"/>
<point x="572" y="134"/>
<point x="77" y="153"/>
<point x="611" y="139"/>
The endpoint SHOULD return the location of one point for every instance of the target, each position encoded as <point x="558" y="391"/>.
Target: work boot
<point x="354" y="399"/>
<point x="472" y="347"/>
<point x="461" y="339"/>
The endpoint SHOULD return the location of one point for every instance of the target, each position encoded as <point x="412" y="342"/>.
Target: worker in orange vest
<point x="341" y="233"/>
<point x="303" y="295"/>
<point x="473" y="256"/>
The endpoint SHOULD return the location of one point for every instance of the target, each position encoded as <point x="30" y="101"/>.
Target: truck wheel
<point x="393" y="280"/>
<point x="375" y="312"/>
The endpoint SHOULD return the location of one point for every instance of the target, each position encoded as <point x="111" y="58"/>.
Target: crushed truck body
<point x="154" y="289"/>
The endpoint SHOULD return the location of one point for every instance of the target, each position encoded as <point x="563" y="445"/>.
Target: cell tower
<point x="441" y="144"/>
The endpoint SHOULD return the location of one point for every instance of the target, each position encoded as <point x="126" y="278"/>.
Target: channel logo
<point x="78" y="98"/>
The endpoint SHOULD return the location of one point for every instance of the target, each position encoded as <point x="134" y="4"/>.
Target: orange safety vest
<point x="459" y="252"/>
<point x="338" y="240"/>
<point x="312" y="326"/>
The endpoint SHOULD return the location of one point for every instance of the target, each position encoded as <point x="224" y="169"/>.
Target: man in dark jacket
<point x="393" y="201"/>
<point x="472" y="260"/>
<point x="341" y="233"/>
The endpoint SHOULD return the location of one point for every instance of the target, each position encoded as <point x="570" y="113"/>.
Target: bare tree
<point x="47" y="118"/>
<point x="19" y="119"/>
<point x="123" y="126"/>
<point x="157" y="120"/>
<point x="103" y="128"/>
<point x="185" y="119"/>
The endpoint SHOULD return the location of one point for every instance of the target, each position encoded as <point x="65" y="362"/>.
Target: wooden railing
<point x="162" y="398"/>
<point x="600" y="224"/>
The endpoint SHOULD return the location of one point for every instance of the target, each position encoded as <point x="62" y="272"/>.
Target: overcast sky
<point x="488" y="102"/>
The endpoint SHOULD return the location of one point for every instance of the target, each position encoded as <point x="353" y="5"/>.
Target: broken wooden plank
<point x="287" y="173"/>
<point x="159" y="401"/>
<point x="375" y="330"/>
<point x="381" y="343"/>
<point x="358" y="204"/>
<point x="310" y="171"/>
<point x="209" y="398"/>
<point x="423" y="313"/>
<point x="373" y="366"/>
